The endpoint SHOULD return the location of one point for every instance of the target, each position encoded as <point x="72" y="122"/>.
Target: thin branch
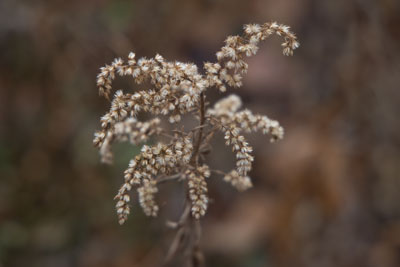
<point x="200" y="135"/>
<point x="181" y="234"/>
<point x="164" y="179"/>
<point x="218" y="172"/>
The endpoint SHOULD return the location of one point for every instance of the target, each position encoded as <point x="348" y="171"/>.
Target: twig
<point x="164" y="179"/>
<point x="180" y="235"/>
<point x="218" y="172"/>
<point x="200" y="135"/>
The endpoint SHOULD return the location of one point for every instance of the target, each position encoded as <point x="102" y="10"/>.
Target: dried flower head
<point x="178" y="89"/>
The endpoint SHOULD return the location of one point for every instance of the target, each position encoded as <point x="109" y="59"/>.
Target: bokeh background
<point x="327" y="195"/>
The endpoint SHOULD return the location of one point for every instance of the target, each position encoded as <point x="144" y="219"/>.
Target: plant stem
<point x="188" y="233"/>
<point x="195" y="155"/>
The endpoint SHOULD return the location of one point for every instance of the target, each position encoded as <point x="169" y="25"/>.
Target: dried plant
<point x="179" y="88"/>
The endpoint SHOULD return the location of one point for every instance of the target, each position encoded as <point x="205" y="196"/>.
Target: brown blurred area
<point x="327" y="195"/>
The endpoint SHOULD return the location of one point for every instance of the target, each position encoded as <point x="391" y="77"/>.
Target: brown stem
<point x="196" y="148"/>
<point x="197" y="254"/>
<point x="164" y="179"/>
<point x="180" y="235"/>
<point x="187" y="237"/>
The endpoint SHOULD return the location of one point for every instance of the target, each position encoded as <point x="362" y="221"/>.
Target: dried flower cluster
<point x="198" y="190"/>
<point x="179" y="88"/>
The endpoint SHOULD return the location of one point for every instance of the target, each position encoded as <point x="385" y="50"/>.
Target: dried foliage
<point x="179" y="89"/>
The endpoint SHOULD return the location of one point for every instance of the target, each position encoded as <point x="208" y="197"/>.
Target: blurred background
<point x="327" y="195"/>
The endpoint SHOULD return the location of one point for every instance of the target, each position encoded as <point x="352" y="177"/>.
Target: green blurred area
<point x="327" y="195"/>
